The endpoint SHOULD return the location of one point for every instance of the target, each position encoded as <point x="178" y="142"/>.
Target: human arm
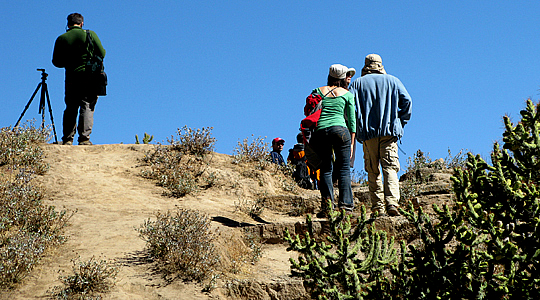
<point x="355" y="90"/>
<point x="353" y="141"/>
<point x="404" y="104"/>
<point x="58" y="53"/>
<point x="98" y="48"/>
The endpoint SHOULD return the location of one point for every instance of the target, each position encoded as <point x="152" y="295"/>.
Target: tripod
<point x="44" y="92"/>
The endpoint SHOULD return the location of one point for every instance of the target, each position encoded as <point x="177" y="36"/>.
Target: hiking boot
<point x="67" y="143"/>
<point x="392" y="210"/>
<point x="377" y="212"/>
<point x="85" y="143"/>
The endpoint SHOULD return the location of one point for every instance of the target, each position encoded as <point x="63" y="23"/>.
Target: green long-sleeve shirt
<point x="70" y="50"/>
<point x="334" y="111"/>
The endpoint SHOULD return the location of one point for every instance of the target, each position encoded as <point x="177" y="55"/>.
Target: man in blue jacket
<point x="275" y="154"/>
<point x="383" y="107"/>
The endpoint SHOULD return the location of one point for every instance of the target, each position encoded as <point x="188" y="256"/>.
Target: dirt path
<point x="103" y="185"/>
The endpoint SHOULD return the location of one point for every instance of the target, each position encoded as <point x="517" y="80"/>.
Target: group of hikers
<point x="373" y="110"/>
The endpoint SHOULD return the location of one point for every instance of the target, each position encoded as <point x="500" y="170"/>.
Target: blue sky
<point x="245" y="67"/>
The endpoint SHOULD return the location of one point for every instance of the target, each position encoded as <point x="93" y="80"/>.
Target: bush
<point x="19" y="147"/>
<point x="488" y="245"/>
<point x="197" y="142"/>
<point x="182" y="243"/>
<point x="181" y="166"/>
<point x="350" y="266"/>
<point x="253" y="208"/>
<point x="90" y="278"/>
<point x="27" y="227"/>
<point x="255" y="151"/>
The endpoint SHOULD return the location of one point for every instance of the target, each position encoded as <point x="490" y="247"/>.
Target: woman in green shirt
<point x="333" y="136"/>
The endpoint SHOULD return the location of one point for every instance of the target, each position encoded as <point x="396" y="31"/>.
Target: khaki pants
<point x="382" y="152"/>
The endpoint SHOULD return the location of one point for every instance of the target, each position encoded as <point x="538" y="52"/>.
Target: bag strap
<point x="331" y="91"/>
<point x="319" y="105"/>
<point x="89" y="43"/>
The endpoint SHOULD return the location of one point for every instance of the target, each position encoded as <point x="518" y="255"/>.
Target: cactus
<point x="488" y="245"/>
<point x="434" y="269"/>
<point x="503" y="200"/>
<point x="350" y="266"/>
<point x="146" y="139"/>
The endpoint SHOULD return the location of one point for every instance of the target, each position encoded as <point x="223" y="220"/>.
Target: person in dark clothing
<point x="275" y="154"/>
<point x="71" y="54"/>
<point x="297" y="158"/>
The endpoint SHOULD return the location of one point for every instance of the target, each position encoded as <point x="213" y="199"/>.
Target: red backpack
<point x="312" y="111"/>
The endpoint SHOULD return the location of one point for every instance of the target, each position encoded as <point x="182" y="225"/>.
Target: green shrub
<point x="350" y="266"/>
<point x="89" y="279"/>
<point x="488" y="245"/>
<point x="182" y="243"/>
<point x="503" y="202"/>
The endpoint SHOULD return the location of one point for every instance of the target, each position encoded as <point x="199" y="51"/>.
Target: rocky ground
<point x="104" y="186"/>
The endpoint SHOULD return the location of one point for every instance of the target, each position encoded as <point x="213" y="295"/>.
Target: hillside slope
<point x="102" y="183"/>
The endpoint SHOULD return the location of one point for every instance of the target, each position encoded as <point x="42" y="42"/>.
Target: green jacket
<point x="70" y="50"/>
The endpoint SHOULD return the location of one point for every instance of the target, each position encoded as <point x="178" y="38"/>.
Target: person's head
<point x="337" y="76"/>
<point x="277" y="144"/>
<point x="373" y="64"/>
<point x="75" y="19"/>
<point x="300" y="138"/>
<point x="350" y="75"/>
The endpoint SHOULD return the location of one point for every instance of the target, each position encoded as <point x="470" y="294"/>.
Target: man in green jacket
<point x="70" y="53"/>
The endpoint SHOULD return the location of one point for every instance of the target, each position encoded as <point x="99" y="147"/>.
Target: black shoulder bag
<point x="94" y="69"/>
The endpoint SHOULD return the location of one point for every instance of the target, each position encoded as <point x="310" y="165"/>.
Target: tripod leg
<point x="28" y="104"/>
<point x="50" y="111"/>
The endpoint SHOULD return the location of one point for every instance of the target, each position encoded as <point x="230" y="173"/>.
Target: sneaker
<point x="85" y="143"/>
<point x="392" y="210"/>
<point x="67" y="143"/>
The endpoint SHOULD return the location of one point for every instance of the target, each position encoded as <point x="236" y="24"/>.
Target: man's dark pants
<point x="78" y="103"/>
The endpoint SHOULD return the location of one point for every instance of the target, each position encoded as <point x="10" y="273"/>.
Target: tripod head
<point x="43" y="75"/>
<point x="43" y="90"/>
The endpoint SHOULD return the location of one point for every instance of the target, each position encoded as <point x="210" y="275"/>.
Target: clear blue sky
<point x="245" y="67"/>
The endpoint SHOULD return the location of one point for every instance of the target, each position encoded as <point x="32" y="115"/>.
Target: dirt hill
<point x="103" y="184"/>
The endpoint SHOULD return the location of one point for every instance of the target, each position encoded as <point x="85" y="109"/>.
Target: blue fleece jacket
<point x="383" y="106"/>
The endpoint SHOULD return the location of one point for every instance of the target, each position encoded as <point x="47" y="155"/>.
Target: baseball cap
<point x="278" y="140"/>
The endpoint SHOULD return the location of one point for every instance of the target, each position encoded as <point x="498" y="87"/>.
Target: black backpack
<point x="94" y="69"/>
